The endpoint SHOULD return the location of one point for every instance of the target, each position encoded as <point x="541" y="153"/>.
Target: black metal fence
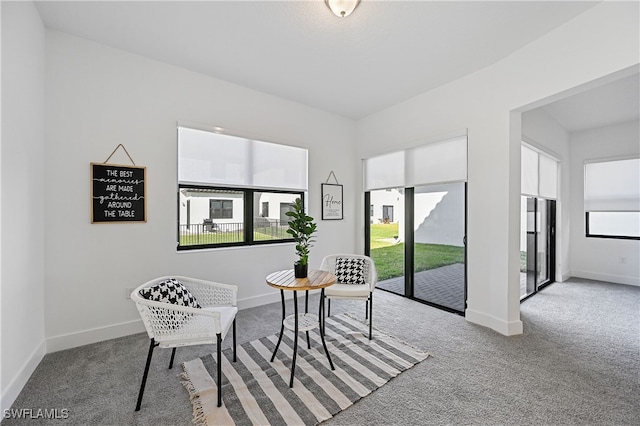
<point x="210" y="232"/>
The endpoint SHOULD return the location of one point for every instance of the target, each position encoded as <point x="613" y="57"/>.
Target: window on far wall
<point x="220" y="209"/>
<point x="612" y="198"/>
<point x="231" y="190"/>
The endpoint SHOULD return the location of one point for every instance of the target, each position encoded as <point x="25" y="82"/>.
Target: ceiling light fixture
<point x="342" y="8"/>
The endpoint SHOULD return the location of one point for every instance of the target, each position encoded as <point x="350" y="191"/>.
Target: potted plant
<point x="301" y="228"/>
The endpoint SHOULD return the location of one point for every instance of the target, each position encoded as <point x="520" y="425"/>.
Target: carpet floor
<point x="577" y="363"/>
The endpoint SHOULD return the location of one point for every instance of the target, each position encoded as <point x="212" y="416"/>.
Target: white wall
<point x="540" y="130"/>
<point x="23" y="208"/>
<point x="442" y="214"/>
<point x="601" y="41"/>
<point x="98" y="97"/>
<point x="600" y="258"/>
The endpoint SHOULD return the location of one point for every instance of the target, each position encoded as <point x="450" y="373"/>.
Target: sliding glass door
<point x="386" y="241"/>
<point x="415" y="201"/>
<point x="439" y="245"/>
<point x="420" y="254"/>
<point x="537" y="252"/>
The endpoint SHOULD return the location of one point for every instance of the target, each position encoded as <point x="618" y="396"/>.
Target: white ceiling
<point x="613" y="103"/>
<point x="383" y="54"/>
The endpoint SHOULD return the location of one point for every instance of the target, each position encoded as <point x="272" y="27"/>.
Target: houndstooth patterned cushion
<point x="170" y="291"/>
<point x="350" y="271"/>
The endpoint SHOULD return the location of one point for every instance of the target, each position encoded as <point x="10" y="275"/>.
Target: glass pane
<point x="210" y="216"/>
<point x="615" y="224"/>
<point x="542" y="236"/>
<point x="387" y="242"/>
<point x="439" y="214"/>
<point x="269" y="219"/>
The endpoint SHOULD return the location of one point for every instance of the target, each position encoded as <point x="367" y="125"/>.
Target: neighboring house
<point x="224" y="209"/>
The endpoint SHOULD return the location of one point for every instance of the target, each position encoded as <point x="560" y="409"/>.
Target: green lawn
<point x="390" y="260"/>
<point x="389" y="257"/>
<point x="381" y="233"/>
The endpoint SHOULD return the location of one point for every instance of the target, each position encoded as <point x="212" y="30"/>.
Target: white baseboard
<point x="563" y="276"/>
<point x="99" y="334"/>
<point x="263" y="299"/>
<point x="93" y="335"/>
<point x="610" y="278"/>
<point x="266" y="299"/>
<point x="511" y="328"/>
<point x="21" y="377"/>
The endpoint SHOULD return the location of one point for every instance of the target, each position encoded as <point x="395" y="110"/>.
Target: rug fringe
<point x="199" y="417"/>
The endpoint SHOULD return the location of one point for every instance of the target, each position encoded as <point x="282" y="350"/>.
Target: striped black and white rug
<point x="256" y="391"/>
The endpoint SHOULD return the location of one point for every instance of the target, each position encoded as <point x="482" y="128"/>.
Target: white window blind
<point x="207" y="158"/>
<point x="384" y="171"/>
<point x="612" y="185"/>
<point x="538" y="174"/>
<point x="548" y="178"/>
<point x="438" y="162"/>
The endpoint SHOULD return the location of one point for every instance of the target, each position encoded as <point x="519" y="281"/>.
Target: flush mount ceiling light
<point x="342" y="8"/>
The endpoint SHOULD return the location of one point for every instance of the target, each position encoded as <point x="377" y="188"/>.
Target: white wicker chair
<point x="170" y="325"/>
<point x="352" y="291"/>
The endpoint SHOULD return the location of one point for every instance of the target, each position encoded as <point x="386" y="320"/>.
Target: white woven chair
<point x="171" y="325"/>
<point x="342" y="290"/>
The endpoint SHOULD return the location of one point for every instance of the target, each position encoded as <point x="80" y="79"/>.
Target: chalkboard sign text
<point x="118" y="193"/>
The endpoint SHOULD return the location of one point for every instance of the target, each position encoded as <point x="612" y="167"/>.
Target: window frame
<point x="249" y="172"/>
<point x="247" y="214"/>
<point x="588" y="234"/>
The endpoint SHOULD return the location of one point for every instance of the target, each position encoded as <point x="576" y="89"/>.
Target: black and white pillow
<point x="350" y="270"/>
<point x="170" y="291"/>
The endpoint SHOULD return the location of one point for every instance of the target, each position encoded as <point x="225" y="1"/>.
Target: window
<point x="220" y="209"/>
<point x="612" y="198"/>
<point x="233" y="191"/>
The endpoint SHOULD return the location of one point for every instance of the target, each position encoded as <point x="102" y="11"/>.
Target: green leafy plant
<point x="301" y="228"/>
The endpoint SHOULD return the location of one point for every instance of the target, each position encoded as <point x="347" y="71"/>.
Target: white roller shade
<point x="207" y="158"/>
<point x="437" y="162"/>
<point x="612" y="185"/>
<point x="279" y="166"/>
<point x="384" y="171"/>
<point x="548" y="178"/>
<point x="538" y="174"/>
<point x="528" y="171"/>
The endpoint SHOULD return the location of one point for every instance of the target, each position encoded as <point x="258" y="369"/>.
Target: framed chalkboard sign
<point x="118" y="193"/>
